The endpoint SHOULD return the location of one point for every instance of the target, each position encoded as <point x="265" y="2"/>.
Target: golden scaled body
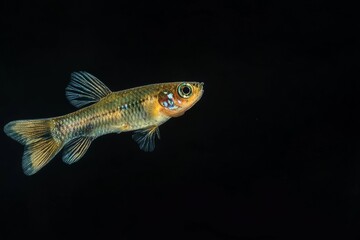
<point x="140" y="109"/>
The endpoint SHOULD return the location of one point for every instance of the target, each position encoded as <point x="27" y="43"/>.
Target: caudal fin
<point x="40" y="146"/>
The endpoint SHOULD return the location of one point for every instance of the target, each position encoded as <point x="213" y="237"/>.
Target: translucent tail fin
<point x="40" y="146"/>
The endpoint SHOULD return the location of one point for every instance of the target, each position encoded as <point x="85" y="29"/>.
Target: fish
<point x="139" y="109"/>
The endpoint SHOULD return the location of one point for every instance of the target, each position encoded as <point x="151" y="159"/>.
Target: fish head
<point x="178" y="97"/>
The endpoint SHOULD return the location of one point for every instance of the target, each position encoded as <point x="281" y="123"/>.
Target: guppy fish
<point x="141" y="109"/>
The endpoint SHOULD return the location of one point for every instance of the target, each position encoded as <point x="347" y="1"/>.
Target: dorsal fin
<point x="85" y="88"/>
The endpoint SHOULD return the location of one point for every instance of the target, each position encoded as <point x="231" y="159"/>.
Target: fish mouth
<point x="201" y="92"/>
<point x="201" y="89"/>
<point x="201" y="86"/>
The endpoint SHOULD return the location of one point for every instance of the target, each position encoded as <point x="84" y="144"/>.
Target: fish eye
<point x="184" y="90"/>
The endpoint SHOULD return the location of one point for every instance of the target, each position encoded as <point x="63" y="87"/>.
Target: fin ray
<point x="85" y="88"/>
<point x="76" y="148"/>
<point x="146" y="138"/>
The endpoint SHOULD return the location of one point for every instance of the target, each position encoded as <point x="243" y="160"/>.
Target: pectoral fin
<point x="146" y="138"/>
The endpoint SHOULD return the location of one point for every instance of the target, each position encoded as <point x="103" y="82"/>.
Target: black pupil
<point x="186" y="90"/>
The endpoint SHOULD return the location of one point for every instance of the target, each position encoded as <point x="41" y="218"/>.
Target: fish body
<point x="141" y="109"/>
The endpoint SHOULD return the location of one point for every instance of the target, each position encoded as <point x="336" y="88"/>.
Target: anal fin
<point x="146" y="138"/>
<point x="75" y="149"/>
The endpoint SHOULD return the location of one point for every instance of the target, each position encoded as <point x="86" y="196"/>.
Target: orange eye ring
<point x="184" y="90"/>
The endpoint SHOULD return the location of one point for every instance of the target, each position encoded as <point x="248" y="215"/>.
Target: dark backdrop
<point x="271" y="150"/>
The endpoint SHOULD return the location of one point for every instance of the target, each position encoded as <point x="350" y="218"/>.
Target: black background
<point x="271" y="150"/>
